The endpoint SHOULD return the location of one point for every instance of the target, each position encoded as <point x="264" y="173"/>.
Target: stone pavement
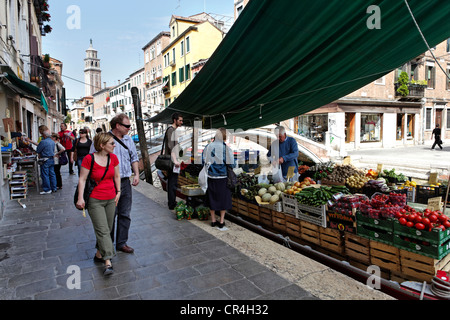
<point x="43" y="245"/>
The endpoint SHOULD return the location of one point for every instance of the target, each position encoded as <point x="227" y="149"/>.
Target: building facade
<point x="192" y="39"/>
<point x="378" y="115"/>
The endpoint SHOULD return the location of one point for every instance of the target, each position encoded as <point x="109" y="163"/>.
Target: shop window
<point x="370" y="127"/>
<point x="313" y="127"/>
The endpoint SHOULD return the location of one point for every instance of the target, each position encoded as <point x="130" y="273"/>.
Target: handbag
<point x="90" y="184"/>
<point x="164" y="161"/>
<point x="231" y="178"/>
<point x="63" y="160"/>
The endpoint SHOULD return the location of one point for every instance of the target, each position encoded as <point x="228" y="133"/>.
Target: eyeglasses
<point x="128" y="126"/>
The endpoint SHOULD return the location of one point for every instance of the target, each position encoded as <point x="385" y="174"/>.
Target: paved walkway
<point x="42" y="245"/>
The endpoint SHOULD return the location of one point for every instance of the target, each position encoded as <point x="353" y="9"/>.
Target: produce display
<point x="392" y="176"/>
<point x="378" y="185"/>
<point x="347" y="204"/>
<point x="319" y="196"/>
<point x="356" y="181"/>
<point x="320" y="170"/>
<point x="341" y="173"/>
<point x="422" y="220"/>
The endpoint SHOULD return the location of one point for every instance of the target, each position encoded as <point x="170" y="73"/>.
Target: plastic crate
<point x="290" y="203"/>
<point x="314" y="215"/>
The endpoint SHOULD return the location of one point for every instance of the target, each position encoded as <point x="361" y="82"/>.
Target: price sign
<point x="435" y="203"/>
<point x="379" y="167"/>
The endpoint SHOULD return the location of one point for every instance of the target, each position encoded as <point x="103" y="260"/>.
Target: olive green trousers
<point x="102" y="216"/>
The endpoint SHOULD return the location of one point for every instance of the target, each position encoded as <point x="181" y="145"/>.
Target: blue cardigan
<point x="219" y="155"/>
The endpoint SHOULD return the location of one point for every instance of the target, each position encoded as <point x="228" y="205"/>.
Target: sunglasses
<point x="128" y="126"/>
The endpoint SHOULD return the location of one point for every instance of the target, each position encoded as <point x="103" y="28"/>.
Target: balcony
<point x="416" y="92"/>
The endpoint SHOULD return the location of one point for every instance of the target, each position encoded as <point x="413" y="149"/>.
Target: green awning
<point x="283" y="58"/>
<point x="25" y="89"/>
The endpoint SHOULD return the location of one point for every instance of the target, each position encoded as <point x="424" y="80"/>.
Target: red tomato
<point x="410" y="224"/>
<point x="446" y="224"/>
<point x="426" y="222"/>
<point x="411" y="217"/>
<point x="418" y="219"/>
<point x="442" y="218"/>
<point x="402" y="221"/>
<point x="433" y="218"/>
<point x="420" y="226"/>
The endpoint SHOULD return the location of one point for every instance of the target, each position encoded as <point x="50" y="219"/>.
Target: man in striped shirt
<point x="125" y="151"/>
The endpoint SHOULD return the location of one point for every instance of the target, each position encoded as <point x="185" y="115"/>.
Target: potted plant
<point x="46" y="61"/>
<point x="403" y="81"/>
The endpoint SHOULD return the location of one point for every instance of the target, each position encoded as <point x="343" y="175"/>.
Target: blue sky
<point x="119" y="30"/>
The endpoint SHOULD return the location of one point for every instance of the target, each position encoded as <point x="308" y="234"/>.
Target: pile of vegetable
<point x="321" y="170"/>
<point x="341" y="173"/>
<point x="392" y="177"/>
<point x="356" y="181"/>
<point x="378" y="185"/>
<point x="295" y="187"/>
<point x="319" y="196"/>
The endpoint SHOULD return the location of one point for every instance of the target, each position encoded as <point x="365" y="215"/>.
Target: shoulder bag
<point x="90" y="184"/>
<point x="164" y="161"/>
<point x="231" y="178"/>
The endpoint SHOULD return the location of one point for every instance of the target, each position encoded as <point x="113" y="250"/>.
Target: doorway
<point x="349" y="127"/>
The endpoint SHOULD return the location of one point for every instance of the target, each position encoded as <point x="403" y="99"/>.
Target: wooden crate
<point x="183" y="181"/>
<point x="253" y="211"/>
<point x="422" y="267"/>
<point x="242" y="207"/>
<point x="279" y="221"/>
<point x="309" y="232"/>
<point x="234" y="205"/>
<point x="292" y="226"/>
<point x="357" y="248"/>
<point x="384" y="255"/>
<point x="332" y="239"/>
<point x="265" y="216"/>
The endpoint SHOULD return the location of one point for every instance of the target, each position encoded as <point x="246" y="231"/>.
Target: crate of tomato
<point x="425" y="232"/>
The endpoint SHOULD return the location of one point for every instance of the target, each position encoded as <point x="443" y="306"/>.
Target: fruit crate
<point x="436" y="236"/>
<point x="309" y="232"/>
<point x="292" y="226"/>
<point x="279" y="221"/>
<point x="384" y="255"/>
<point x="422" y="267"/>
<point x="385" y="224"/>
<point x="332" y="239"/>
<point x="341" y="222"/>
<point x="314" y="215"/>
<point x="423" y="193"/>
<point x="373" y="232"/>
<point x="242" y="207"/>
<point x="357" y="248"/>
<point x="265" y="216"/>
<point x="234" y="205"/>
<point x="426" y="248"/>
<point x="253" y="211"/>
<point x="289" y="203"/>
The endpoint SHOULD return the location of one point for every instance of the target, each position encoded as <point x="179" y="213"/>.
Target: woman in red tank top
<point x="105" y="196"/>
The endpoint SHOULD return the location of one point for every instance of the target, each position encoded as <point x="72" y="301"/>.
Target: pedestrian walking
<point x="46" y="151"/>
<point x="437" y="137"/>
<point x="59" y="149"/>
<point x="218" y="195"/>
<point x="66" y="138"/>
<point x="82" y="147"/>
<point x="104" y="197"/>
<point x="128" y="164"/>
<point x="171" y="147"/>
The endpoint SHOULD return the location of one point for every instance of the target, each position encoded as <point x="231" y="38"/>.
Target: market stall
<point x="364" y="217"/>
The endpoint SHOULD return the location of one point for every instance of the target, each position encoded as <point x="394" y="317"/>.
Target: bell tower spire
<point x="92" y="71"/>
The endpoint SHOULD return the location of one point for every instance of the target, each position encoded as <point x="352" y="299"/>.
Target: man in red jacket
<point x="66" y="137"/>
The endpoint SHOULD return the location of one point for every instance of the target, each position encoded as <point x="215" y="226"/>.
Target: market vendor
<point x="284" y="152"/>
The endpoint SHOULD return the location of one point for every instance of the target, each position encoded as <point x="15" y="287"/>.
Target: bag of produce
<point x="179" y="210"/>
<point x="188" y="212"/>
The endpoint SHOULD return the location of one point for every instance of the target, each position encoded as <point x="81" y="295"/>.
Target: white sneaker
<point x="46" y="192"/>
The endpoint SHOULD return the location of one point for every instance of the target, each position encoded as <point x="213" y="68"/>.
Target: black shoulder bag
<point x="90" y="184"/>
<point x="164" y="161"/>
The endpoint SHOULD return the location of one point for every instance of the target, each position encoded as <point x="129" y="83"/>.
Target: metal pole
<point x="141" y="135"/>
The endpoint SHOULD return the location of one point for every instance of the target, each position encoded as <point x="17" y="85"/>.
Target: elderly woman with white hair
<point x="218" y="196"/>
